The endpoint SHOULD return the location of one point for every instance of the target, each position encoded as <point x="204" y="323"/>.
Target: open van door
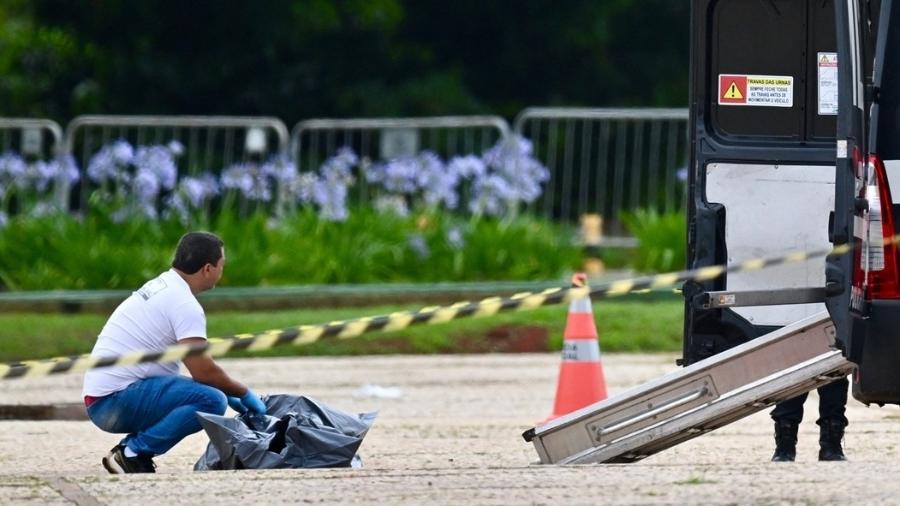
<point x="844" y="297"/>
<point x="761" y="179"/>
<point x="865" y="302"/>
<point x="795" y="141"/>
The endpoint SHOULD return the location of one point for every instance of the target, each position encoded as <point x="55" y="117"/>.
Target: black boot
<point x="831" y="432"/>
<point x="785" y="441"/>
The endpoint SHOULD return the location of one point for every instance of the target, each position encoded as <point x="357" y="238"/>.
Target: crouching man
<point x="151" y="403"/>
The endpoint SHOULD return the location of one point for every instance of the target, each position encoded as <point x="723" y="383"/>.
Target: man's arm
<point x="205" y="370"/>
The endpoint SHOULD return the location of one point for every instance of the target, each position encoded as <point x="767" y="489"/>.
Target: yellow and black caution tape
<point x="306" y="334"/>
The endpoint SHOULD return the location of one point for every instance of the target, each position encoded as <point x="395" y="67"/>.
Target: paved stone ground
<point x="452" y="438"/>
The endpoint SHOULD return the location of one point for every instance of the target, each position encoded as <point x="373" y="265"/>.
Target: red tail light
<point x="879" y="254"/>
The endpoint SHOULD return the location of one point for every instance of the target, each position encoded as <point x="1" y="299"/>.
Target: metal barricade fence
<point x="33" y="139"/>
<point x="606" y="161"/>
<point x="210" y="142"/>
<point x="374" y="139"/>
<point x="30" y="138"/>
<point x="602" y="161"/>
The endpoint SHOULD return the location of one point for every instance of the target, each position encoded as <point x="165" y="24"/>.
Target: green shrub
<point x="662" y="239"/>
<point x="94" y="252"/>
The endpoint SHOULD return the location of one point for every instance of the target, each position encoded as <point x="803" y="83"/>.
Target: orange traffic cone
<point x="581" y="381"/>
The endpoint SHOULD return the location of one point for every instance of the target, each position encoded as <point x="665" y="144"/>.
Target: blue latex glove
<point x="236" y="404"/>
<point x="252" y="402"/>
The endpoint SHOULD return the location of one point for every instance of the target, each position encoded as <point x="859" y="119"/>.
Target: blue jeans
<point x="156" y="413"/>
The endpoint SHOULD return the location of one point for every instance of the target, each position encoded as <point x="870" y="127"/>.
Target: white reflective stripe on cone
<point x="581" y="350"/>
<point x="582" y="305"/>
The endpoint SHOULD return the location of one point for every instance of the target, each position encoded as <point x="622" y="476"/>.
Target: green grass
<point x="696" y="480"/>
<point x="632" y="325"/>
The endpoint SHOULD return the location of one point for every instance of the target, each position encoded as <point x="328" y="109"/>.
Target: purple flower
<point x="14" y="173"/>
<point x="146" y="185"/>
<point x="261" y="191"/>
<point x="467" y="167"/>
<point x="681" y="174"/>
<point x="327" y="189"/>
<point x="455" y="238"/>
<point x="340" y="165"/>
<point x="175" y="147"/>
<point x="139" y="175"/>
<point x="238" y="177"/>
<point x="68" y="169"/>
<point x="510" y="160"/>
<point x="192" y="193"/>
<point x="12" y="166"/>
<point x="109" y="163"/>
<point x="437" y="181"/>
<point x="398" y="175"/>
<point x="4" y="219"/>
<point x="505" y="175"/>
<point x="121" y="152"/>
<point x="280" y="168"/>
<point x="159" y="161"/>
<point x="44" y="173"/>
<point x="247" y="178"/>
<point x="303" y="186"/>
<point x="527" y="178"/>
<point x="407" y="175"/>
<point x="491" y="195"/>
<point x="418" y="245"/>
<point x="199" y="190"/>
<point x="512" y="147"/>
<point x="331" y="197"/>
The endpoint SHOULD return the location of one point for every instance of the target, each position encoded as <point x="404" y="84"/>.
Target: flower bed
<point x="429" y="219"/>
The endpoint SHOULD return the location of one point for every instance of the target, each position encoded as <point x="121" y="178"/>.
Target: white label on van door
<point x="842" y="149"/>
<point x="828" y="83"/>
<point x="761" y="91"/>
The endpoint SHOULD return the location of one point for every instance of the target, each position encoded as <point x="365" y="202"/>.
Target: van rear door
<point x="763" y="116"/>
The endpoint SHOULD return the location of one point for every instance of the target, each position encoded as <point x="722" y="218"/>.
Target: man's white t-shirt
<point x="157" y="316"/>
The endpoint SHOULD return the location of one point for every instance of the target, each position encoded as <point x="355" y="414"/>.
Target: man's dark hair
<point x="196" y="249"/>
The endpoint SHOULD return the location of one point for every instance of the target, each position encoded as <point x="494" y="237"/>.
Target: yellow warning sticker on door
<point x="733" y="92"/>
<point x="755" y="90"/>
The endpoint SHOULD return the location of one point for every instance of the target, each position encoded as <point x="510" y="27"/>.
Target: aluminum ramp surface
<point x="697" y="399"/>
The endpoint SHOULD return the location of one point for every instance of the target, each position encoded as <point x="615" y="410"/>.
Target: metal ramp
<point x="697" y="399"/>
